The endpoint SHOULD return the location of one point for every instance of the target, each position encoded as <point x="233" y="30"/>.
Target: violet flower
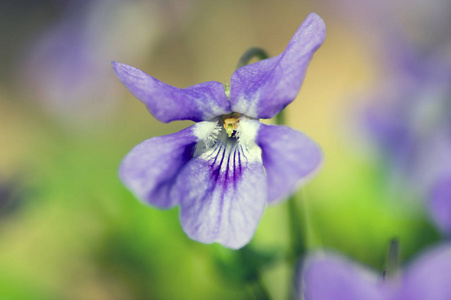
<point x="67" y="62"/>
<point x="440" y="204"/>
<point x="332" y="277"/>
<point x="409" y="114"/>
<point x="410" y="124"/>
<point x="223" y="170"/>
<point x="392" y="27"/>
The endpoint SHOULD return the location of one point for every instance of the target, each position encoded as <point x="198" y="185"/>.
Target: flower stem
<point x="297" y="229"/>
<point x="260" y="291"/>
<point x="250" y="54"/>
<point x="297" y="232"/>
<point x="392" y="266"/>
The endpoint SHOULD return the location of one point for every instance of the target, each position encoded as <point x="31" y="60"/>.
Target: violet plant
<point x="224" y="170"/>
<point x="68" y="61"/>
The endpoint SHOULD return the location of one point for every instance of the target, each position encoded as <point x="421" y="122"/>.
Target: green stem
<point x="392" y="267"/>
<point x="260" y="291"/>
<point x="250" y="54"/>
<point x="297" y="232"/>
<point x="297" y="229"/>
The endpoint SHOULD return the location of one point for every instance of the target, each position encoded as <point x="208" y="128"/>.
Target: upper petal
<point x="330" y="277"/>
<point x="263" y="89"/>
<point x="150" y="169"/>
<point x="289" y="157"/>
<point x="430" y="277"/>
<point x="167" y="103"/>
<point x="222" y="193"/>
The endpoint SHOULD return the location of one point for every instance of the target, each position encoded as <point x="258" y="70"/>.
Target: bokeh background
<point x="70" y="230"/>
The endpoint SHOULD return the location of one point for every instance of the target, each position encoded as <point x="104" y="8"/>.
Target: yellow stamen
<point x="230" y="122"/>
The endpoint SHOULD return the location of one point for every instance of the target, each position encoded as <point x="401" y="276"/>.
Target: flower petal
<point x="263" y="89"/>
<point x="289" y="157"/>
<point x="430" y="277"/>
<point x="200" y="102"/>
<point x="330" y="277"/>
<point x="440" y="205"/>
<point x="222" y="193"/>
<point x="150" y="169"/>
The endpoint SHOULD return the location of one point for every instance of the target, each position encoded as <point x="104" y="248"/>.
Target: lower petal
<point x="222" y="194"/>
<point x="289" y="157"/>
<point x="150" y="169"/>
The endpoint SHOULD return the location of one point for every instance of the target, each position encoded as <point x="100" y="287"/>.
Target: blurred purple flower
<point x="395" y="28"/>
<point x="440" y="204"/>
<point x="68" y="62"/>
<point x="409" y="120"/>
<point x="223" y="170"/>
<point x="409" y="114"/>
<point x="332" y="277"/>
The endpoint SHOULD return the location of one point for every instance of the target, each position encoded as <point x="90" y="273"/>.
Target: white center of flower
<point x="230" y="131"/>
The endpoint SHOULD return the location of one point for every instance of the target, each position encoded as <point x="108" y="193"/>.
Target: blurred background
<point x="376" y="97"/>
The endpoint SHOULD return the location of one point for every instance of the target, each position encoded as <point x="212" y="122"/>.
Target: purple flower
<point x="332" y="277"/>
<point x="440" y="204"/>
<point x="410" y="124"/>
<point x="223" y="170"/>
<point x="67" y="62"/>
<point x="409" y="117"/>
<point x="394" y="29"/>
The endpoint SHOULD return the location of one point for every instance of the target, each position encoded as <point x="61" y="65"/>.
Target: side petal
<point x="263" y="89"/>
<point x="200" y="102"/>
<point x="151" y="168"/>
<point x="289" y="157"/>
<point x="440" y="205"/>
<point x="330" y="277"/>
<point x="430" y="277"/>
<point x="222" y="194"/>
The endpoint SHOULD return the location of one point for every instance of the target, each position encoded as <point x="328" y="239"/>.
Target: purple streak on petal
<point x="222" y="195"/>
<point x="263" y="89"/>
<point x="151" y="168"/>
<point x="289" y="157"/>
<point x="167" y="103"/>
<point x="429" y="278"/>
<point x="440" y="205"/>
<point x="331" y="277"/>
